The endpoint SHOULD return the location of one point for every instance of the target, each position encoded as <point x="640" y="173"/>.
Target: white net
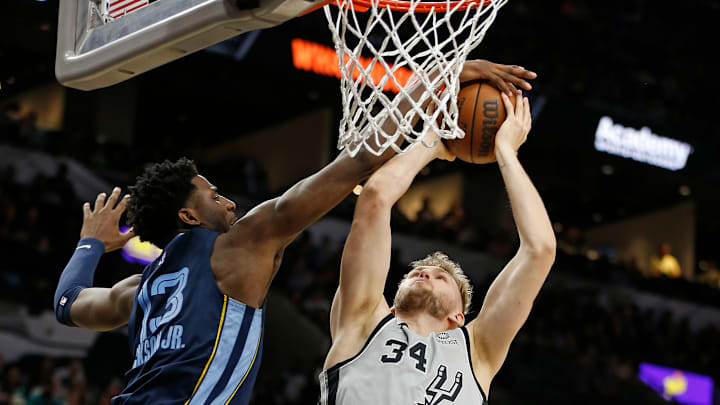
<point x="418" y="55"/>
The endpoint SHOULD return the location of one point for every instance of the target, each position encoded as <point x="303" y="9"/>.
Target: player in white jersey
<point x="420" y="352"/>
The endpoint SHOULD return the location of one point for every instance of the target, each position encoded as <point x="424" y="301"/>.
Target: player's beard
<point x="415" y="298"/>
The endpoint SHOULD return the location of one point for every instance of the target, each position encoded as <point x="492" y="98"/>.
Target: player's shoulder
<point x="249" y="235"/>
<point x="349" y="344"/>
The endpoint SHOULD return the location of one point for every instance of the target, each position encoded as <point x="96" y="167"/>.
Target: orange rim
<point x="397" y="5"/>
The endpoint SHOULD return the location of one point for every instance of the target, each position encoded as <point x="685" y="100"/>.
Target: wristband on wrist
<point x="78" y="275"/>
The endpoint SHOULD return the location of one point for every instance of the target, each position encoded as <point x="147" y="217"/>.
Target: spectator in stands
<point x="113" y="389"/>
<point x="709" y="273"/>
<point x="425" y="214"/>
<point x="30" y="134"/>
<point x="74" y="383"/>
<point x="454" y="222"/>
<point x="13" y="387"/>
<point x="44" y="394"/>
<point x="322" y="253"/>
<point x="60" y="186"/>
<point x="426" y="223"/>
<point x="572" y="242"/>
<point x="8" y="183"/>
<point x="666" y="264"/>
<point x="501" y="246"/>
<point x="10" y="123"/>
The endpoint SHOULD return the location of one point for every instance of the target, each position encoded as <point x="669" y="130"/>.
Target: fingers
<point x="518" y="81"/>
<point x="122" y="204"/>
<point x="522" y="72"/>
<point x="507" y="87"/>
<point x="515" y="75"/>
<point x="128" y="235"/>
<point x="99" y="202"/>
<point x="86" y="210"/>
<point x="502" y="81"/>
<point x="519" y="106"/>
<point x="113" y="198"/>
<point x="509" y="109"/>
<point x="528" y="115"/>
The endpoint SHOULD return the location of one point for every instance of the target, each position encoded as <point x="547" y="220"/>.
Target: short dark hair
<point x="156" y="197"/>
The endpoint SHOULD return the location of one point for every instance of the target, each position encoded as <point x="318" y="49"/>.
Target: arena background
<point x="255" y="122"/>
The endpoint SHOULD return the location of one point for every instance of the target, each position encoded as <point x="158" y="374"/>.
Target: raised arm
<point x="275" y="223"/>
<point x="366" y="256"/>
<point x="510" y="297"/>
<point x="77" y="303"/>
<point x="278" y="221"/>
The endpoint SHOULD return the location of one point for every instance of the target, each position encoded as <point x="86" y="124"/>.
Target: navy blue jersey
<point x="190" y="343"/>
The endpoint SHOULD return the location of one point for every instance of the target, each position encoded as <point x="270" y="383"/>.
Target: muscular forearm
<point x="416" y="94"/>
<point x="314" y="196"/>
<point x="530" y="215"/>
<point x="393" y="179"/>
<point x="103" y="309"/>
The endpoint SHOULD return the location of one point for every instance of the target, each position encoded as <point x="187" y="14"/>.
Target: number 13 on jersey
<point x="167" y="289"/>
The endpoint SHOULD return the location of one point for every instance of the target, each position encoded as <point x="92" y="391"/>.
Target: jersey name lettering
<point x="170" y="338"/>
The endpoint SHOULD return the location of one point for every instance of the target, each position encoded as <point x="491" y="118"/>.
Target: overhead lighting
<point x="323" y="60"/>
<point x="607" y="170"/>
<point x="358" y="189"/>
<point x="684" y="190"/>
<point x="139" y="252"/>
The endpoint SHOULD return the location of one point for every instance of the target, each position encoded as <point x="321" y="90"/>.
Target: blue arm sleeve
<point x="78" y="275"/>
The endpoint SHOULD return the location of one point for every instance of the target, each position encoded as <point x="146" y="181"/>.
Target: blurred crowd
<point x="43" y="380"/>
<point x="33" y="235"/>
<point x="574" y="346"/>
<point x="20" y="128"/>
<point x="582" y="349"/>
<point x="578" y="348"/>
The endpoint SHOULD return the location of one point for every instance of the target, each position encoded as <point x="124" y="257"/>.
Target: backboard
<point x="95" y="50"/>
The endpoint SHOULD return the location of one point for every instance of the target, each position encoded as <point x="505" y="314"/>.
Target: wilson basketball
<point x="481" y="112"/>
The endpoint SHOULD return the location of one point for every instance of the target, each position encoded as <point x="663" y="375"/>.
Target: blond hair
<point x="440" y="259"/>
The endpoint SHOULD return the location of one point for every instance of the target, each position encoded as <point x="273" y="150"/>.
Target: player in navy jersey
<point x="196" y="314"/>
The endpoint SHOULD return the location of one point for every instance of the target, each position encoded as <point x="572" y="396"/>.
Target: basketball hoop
<point x="414" y="48"/>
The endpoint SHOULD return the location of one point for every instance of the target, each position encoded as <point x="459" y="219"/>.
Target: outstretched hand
<point x="504" y="77"/>
<point x="442" y="152"/>
<point x="514" y="130"/>
<point x="440" y="149"/>
<point x="103" y="222"/>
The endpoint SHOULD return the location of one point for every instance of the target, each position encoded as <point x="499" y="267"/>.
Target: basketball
<point x="481" y="112"/>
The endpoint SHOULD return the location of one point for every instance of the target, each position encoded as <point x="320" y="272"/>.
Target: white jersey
<point x="399" y="367"/>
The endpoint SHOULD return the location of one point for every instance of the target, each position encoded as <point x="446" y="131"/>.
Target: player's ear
<point x="458" y="318"/>
<point x="188" y="216"/>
